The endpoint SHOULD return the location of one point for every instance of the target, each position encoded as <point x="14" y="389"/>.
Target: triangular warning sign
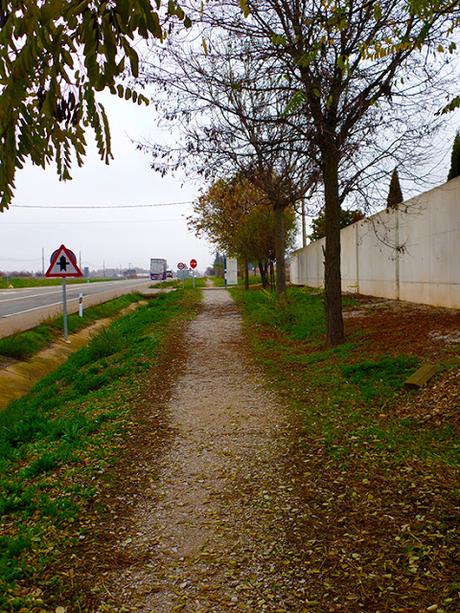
<point x="63" y="264"/>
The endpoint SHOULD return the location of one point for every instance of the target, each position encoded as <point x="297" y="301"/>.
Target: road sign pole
<point x="64" y="308"/>
<point x="193" y="265"/>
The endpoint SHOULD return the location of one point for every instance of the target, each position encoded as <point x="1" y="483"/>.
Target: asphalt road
<point x="24" y="308"/>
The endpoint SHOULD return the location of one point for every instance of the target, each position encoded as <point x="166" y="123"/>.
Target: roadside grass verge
<point x="218" y="281"/>
<point x="344" y="394"/>
<point x="59" y="443"/>
<point x="176" y="283"/>
<point x="253" y="280"/>
<point x="375" y="473"/>
<point x="20" y="282"/>
<point x="25" y="344"/>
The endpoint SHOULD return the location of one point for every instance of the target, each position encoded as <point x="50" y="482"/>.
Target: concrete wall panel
<point x="377" y="238"/>
<point x="349" y="264"/>
<point x="426" y="266"/>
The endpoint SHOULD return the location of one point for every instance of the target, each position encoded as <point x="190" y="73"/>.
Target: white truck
<point x="158" y="268"/>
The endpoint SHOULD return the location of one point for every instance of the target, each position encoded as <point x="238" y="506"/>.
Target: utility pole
<point x="43" y="261"/>
<point x="304" y="228"/>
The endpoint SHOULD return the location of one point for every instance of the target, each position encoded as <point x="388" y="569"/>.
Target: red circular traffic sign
<point x="193" y="263"/>
<point x="181" y="266"/>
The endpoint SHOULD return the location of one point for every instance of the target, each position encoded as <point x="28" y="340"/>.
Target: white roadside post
<point x="80" y="305"/>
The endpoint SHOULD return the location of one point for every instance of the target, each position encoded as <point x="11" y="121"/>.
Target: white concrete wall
<point x="425" y="267"/>
<point x="349" y="258"/>
<point x="231" y="272"/>
<point x="377" y="256"/>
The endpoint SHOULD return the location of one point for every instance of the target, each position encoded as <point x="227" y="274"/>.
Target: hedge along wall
<point x="410" y="253"/>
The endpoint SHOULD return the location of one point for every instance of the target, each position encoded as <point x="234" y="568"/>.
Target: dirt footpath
<point x="212" y="534"/>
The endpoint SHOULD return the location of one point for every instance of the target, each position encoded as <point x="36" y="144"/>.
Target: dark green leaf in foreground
<point x="54" y="58"/>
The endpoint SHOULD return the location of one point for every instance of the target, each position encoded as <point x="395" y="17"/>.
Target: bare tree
<point x="231" y="111"/>
<point x="236" y="216"/>
<point x="362" y="71"/>
<point x="342" y="90"/>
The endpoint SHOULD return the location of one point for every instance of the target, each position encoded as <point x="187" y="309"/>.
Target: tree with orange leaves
<point x="236" y="216"/>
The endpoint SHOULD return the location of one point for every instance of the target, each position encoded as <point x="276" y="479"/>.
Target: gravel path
<point x="213" y="533"/>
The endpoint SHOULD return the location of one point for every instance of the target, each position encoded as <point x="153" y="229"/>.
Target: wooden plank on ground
<point x="421" y="376"/>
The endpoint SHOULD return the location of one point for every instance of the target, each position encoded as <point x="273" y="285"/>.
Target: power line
<point x="2" y="259"/>
<point x="98" y="206"/>
<point x="77" y="222"/>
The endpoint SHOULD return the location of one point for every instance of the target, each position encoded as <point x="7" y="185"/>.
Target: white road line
<point x="59" y="291"/>
<point x="69" y="299"/>
<point x="26" y="297"/>
<point x="45" y="306"/>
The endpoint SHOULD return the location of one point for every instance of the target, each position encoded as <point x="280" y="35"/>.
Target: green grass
<point x="253" y="280"/>
<point x="66" y="432"/>
<point x="25" y="344"/>
<point x="172" y="283"/>
<point x="176" y="283"/>
<point x="19" y="282"/>
<point x="374" y="378"/>
<point x="188" y="284"/>
<point x="300" y="314"/>
<point x="345" y="395"/>
<point x="218" y="281"/>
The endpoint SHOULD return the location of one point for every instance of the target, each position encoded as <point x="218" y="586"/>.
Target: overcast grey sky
<point x="116" y="237"/>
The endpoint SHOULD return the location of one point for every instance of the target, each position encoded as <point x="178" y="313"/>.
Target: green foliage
<point x="455" y="159"/>
<point x="218" y="281"/>
<point x="199" y="282"/>
<point x="344" y="394"/>
<point x="453" y="105"/>
<point x="347" y="217"/>
<point x="300" y="314"/>
<point x="395" y="196"/>
<point x="237" y="216"/>
<point x="10" y="550"/>
<point x="107" y="342"/>
<point x="374" y="378"/>
<point x="255" y="235"/>
<point x="25" y="344"/>
<point x="54" y="58"/>
<point x="56" y="440"/>
<point x="172" y="283"/>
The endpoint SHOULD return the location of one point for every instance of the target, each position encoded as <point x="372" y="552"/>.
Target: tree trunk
<point x="280" y="240"/>
<point x="304" y="225"/>
<point x="246" y="273"/>
<point x="263" y="274"/>
<point x="332" y="276"/>
<point x="272" y="275"/>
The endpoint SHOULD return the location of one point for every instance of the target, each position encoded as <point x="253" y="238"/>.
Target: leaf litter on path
<point x="244" y="511"/>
